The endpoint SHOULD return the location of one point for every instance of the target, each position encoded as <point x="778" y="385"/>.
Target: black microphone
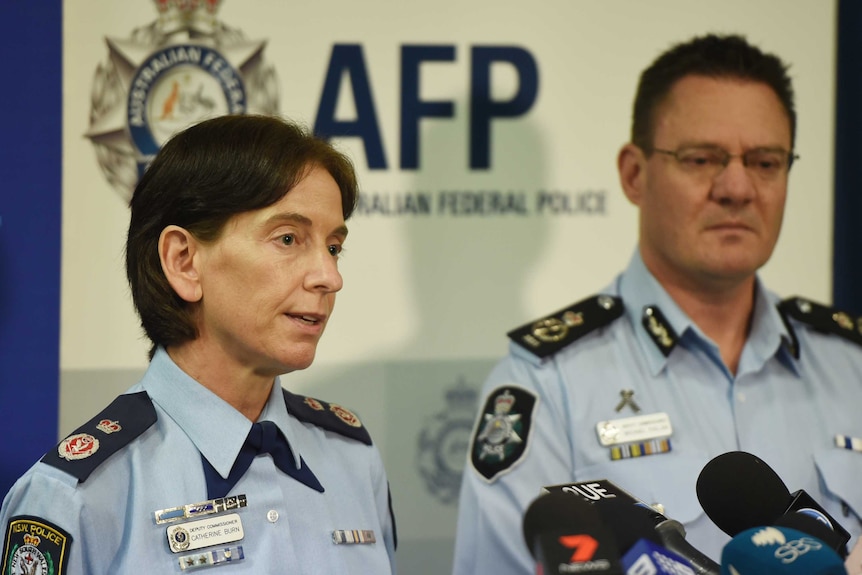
<point x="738" y="491"/>
<point x="670" y="532"/>
<point x="566" y="535"/>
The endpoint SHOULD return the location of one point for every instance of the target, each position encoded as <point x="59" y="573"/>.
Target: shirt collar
<point x="216" y="429"/>
<point x="639" y="289"/>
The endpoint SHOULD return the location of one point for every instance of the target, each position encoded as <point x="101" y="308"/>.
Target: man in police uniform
<point x="235" y="233"/>
<point x="686" y="355"/>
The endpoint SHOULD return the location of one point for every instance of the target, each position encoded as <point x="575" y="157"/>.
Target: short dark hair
<point x="711" y="56"/>
<point x="202" y="177"/>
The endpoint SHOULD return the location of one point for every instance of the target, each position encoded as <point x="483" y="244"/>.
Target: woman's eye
<point x="288" y="239"/>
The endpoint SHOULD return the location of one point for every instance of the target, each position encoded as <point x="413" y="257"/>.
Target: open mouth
<point x="306" y="319"/>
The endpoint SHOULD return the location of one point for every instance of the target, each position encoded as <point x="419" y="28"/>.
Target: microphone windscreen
<point x="818" y="525"/>
<point x="566" y="535"/>
<point x="739" y="491"/>
<point x="555" y="512"/>
<point x="807" y="524"/>
<point x="627" y="523"/>
<point x="778" y="550"/>
<point x="647" y="557"/>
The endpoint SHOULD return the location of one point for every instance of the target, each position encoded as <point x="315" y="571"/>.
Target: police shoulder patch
<point x="34" y="545"/>
<point x="114" y="428"/>
<point x="546" y="336"/>
<point x="503" y="431"/>
<point x="329" y="416"/>
<point x="822" y="318"/>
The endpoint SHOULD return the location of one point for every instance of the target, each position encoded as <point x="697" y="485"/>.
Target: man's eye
<point x="288" y="239"/>
<point x="766" y="162"/>
<point x="335" y="250"/>
<point x="698" y="159"/>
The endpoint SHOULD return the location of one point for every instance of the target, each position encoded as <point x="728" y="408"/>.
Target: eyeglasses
<point x="709" y="161"/>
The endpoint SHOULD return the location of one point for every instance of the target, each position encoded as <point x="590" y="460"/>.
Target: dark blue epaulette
<point x="552" y="333"/>
<point x="823" y="318"/>
<point x="329" y="416"/>
<point x="93" y="443"/>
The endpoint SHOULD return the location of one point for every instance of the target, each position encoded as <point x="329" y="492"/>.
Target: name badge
<point x="205" y="532"/>
<point x="634" y="429"/>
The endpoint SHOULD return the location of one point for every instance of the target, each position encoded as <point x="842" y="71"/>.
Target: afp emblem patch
<point x="501" y="436"/>
<point x="35" y="547"/>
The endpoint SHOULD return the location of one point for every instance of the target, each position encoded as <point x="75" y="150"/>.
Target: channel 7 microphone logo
<point x="584" y="547"/>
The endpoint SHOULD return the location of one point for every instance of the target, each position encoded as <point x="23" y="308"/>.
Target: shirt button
<point x="272" y="515"/>
<point x="741" y="397"/>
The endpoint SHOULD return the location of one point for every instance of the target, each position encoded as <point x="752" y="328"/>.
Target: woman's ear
<point x="630" y="165"/>
<point x="178" y="251"/>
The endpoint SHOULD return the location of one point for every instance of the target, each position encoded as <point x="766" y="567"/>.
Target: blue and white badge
<point x="847" y="442"/>
<point x="194" y="510"/>
<point x="205" y="532"/>
<point x="212" y="557"/>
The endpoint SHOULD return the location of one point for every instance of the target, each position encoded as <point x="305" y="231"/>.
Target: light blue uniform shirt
<point x="787" y="411"/>
<point x="288" y="527"/>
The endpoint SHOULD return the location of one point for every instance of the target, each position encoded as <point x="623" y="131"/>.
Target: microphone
<point x="776" y="550"/>
<point x="739" y="491"/>
<point x="628" y="524"/>
<point x="566" y="535"/>
<point x="671" y="533"/>
<point x="648" y="558"/>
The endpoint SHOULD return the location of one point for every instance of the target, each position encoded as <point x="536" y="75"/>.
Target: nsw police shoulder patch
<point x="329" y="416"/>
<point x="34" y="545"/>
<point x="503" y="431"/>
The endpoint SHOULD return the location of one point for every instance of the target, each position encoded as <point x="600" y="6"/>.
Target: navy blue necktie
<point x="264" y="437"/>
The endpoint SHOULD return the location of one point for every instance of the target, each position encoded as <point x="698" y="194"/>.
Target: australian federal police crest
<point x="183" y="68"/>
<point x="500" y="439"/>
<point x="443" y="443"/>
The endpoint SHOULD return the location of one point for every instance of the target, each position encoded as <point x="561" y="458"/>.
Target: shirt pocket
<point x="841" y="472"/>
<point x="666" y="479"/>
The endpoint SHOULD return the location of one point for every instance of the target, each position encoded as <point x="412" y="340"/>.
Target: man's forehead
<point x="727" y="106"/>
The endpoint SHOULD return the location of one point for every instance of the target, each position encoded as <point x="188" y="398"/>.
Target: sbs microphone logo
<point x="768" y="536"/>
<point x="792" y="550"/>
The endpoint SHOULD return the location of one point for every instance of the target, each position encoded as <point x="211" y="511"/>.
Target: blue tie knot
<point x="264" y="437"/>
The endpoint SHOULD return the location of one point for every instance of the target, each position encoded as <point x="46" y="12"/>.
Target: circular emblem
<point x="28" y="559"/>
<point x="345" y="415"/>
<point x="444" y="442"/>
<point x="179" y="539"/>
<point x="78" y="446"/>
<point x="186" y="66"/>
<point x="313" y="404"/>
<point x="550" y="330"/>
<point x="176" y="87"/>
<point x="609" y="431"/>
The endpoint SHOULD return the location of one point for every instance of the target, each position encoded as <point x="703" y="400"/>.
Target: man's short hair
<point x="202" y="177"/>
<point x="714" y="57"/>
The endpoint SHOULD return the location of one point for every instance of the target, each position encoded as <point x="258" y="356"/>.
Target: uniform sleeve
<point x="41" y="518"/>
<point x="383" y="499"/>
<point x="519" y="445"/>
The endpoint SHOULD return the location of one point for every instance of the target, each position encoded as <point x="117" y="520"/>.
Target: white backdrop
<point x="428" y="298"/>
